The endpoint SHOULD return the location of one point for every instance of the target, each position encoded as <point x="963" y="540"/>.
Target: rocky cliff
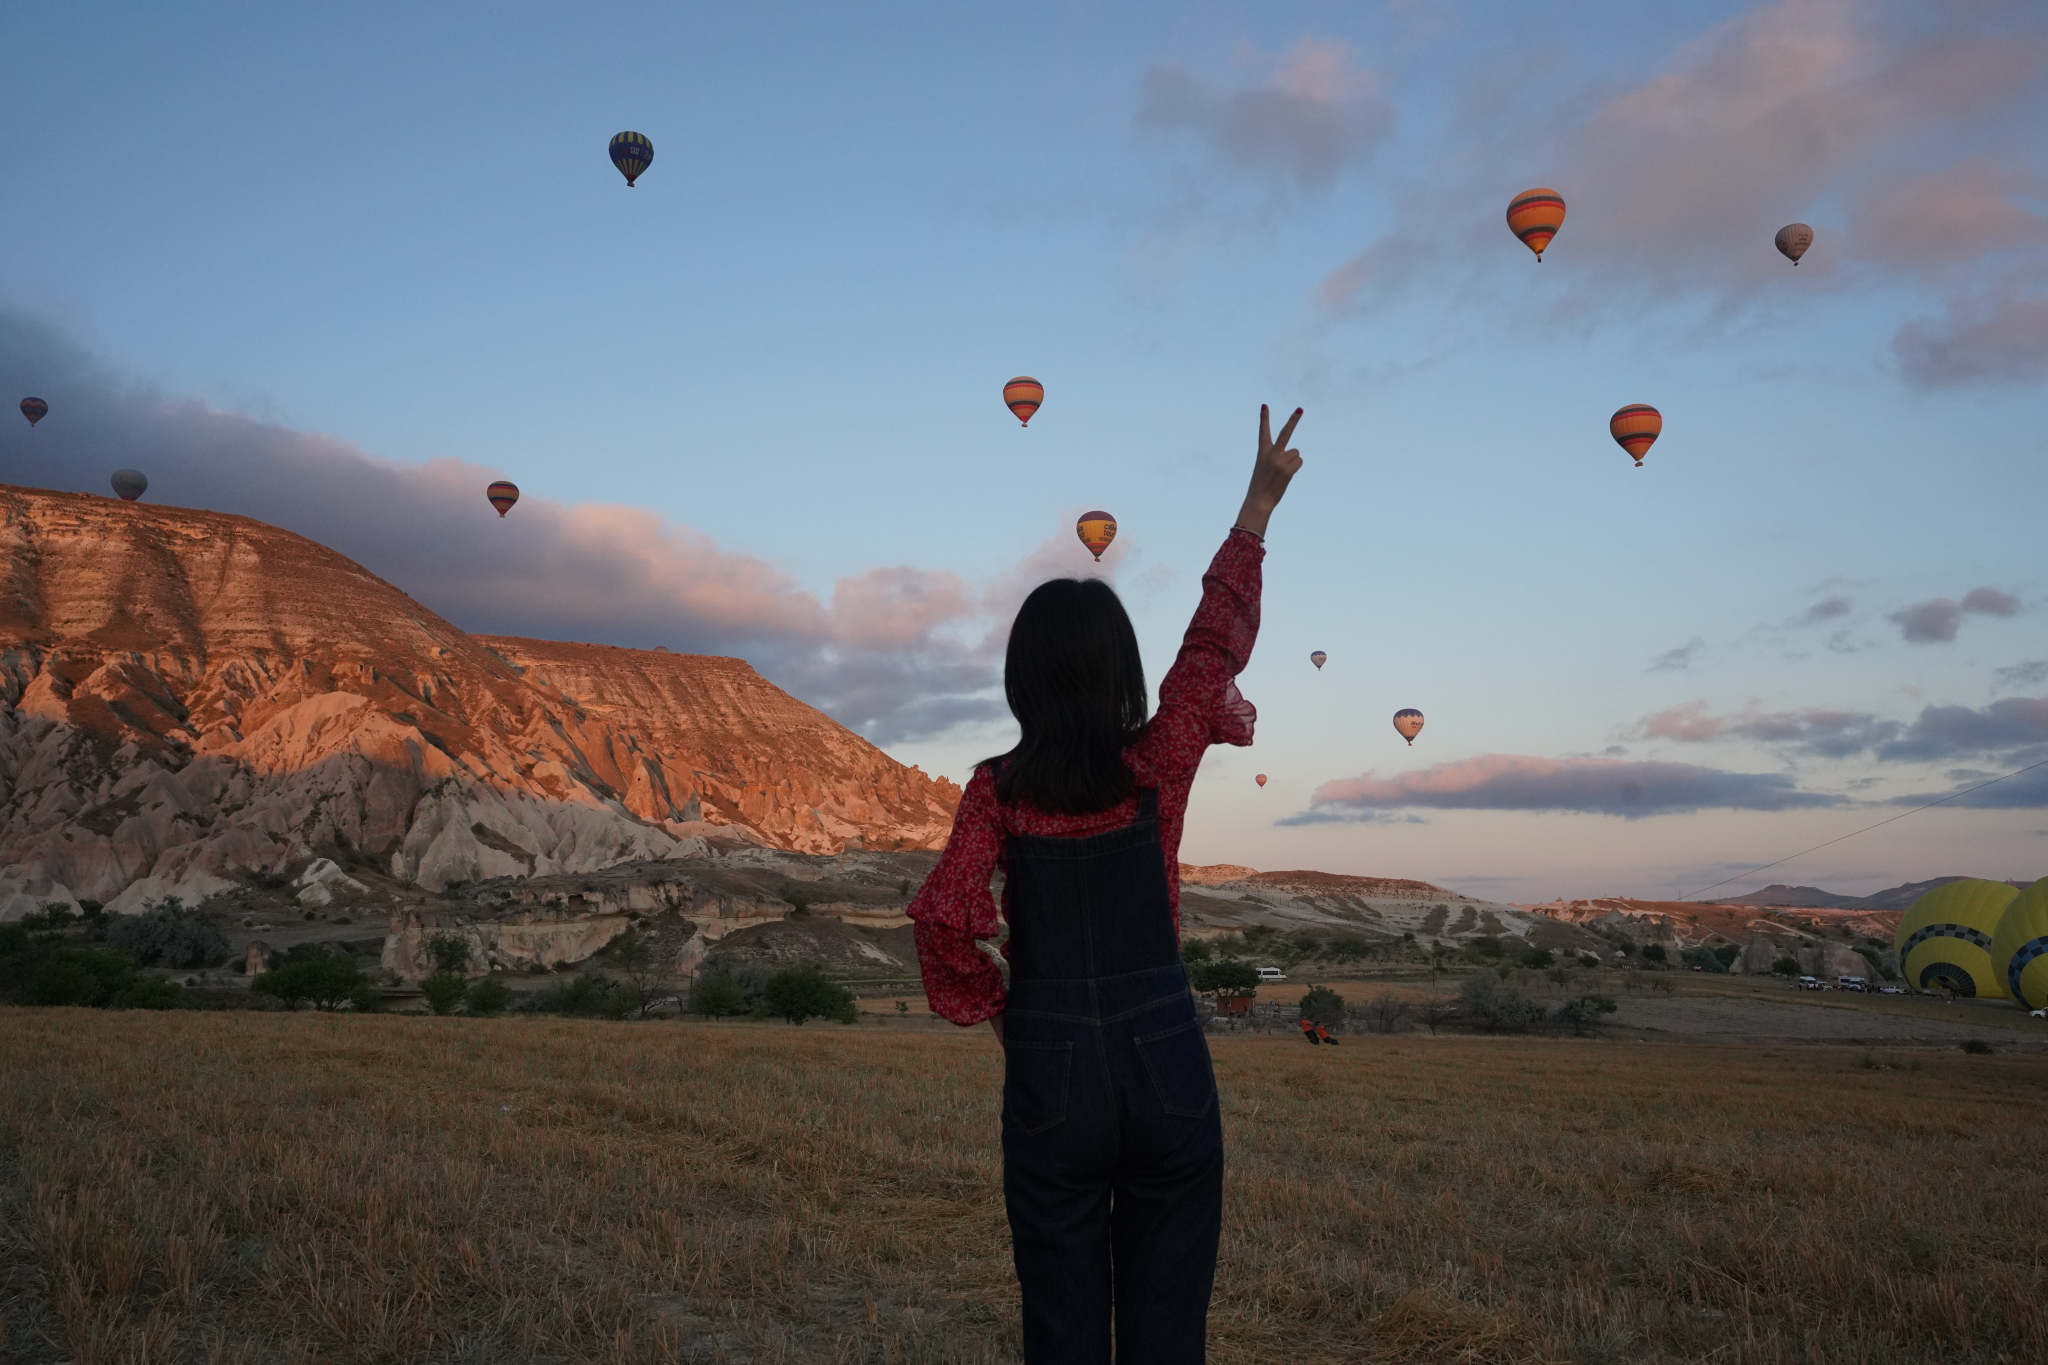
<point x="187" y="698"/>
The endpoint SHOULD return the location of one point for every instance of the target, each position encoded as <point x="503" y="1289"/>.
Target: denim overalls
<point x="1112" y="1140"/>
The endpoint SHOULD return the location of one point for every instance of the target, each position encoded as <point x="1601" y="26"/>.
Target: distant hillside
<point x="1813" y="898"/>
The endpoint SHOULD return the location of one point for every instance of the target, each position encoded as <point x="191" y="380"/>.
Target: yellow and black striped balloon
<point x="2019" y="950"/>
<point x="632" y="153"/>
<point x="1944" y="942"/>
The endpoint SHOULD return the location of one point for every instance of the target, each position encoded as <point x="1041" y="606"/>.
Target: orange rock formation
<point x="189" y="695"/>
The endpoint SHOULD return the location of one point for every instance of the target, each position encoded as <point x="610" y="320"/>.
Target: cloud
<point x="1677" y="660"/>
<point x="2028" y="674"/>
<point x="1959" y="214"/>
<point x="1832" y="609"/>
<point x="2002" y="341"/>
<point x="896" y="652"/>
<point x="2023" y="792"/>
<point x="1601" y="786"/>
<point x="1313" y="114"/>
<point x="1935" y="621"/>
<point x="2013" y="727"/>
<point x="1821" y="731"/>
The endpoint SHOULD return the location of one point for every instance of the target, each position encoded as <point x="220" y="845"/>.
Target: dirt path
<point x="1727" y="1019"/>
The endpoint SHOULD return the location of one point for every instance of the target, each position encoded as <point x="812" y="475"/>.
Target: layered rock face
<point x="189" y="696"/>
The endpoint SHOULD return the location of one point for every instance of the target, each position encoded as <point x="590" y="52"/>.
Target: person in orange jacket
<point x="1323" y="1035"/>
<point x="1309" y="1030"/>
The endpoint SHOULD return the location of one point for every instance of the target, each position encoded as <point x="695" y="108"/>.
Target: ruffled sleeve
<point x="954" y="909"/>
<point x="1199" y="703"/>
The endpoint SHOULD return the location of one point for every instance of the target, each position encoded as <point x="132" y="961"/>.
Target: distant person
<point x="1308" y="1031"/>
<point x="1112" y="1137"/>
<point x="1323" y="1035"/>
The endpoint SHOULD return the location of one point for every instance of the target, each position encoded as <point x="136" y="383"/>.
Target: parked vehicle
<point x="1852" y="983"/>
<point x="1891" y="990"/>
<point x="1812" y="983"/>
<point x="2037" y="1014"/>
<point x="1271" y="974"/>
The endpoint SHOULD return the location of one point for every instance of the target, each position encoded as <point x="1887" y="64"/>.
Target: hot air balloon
<point x="1944" y="941"/>
<point x="1319" y="659"/>
<point x="1635" y="429"/>
<point x="130" y="484"/>
<point x="1096" y="530"/>
<point x="1023" y="395"/>
<point x="502" y="493"/>
<point x="1793" y="239"/>
<point x="1260" y="779"/>
<point x="1408" y="721"/>
<point x="632" y="153"/>
<point x="1535" y="216"/>
<point x="2019" y="950"/>
<point x="35" y="409"/>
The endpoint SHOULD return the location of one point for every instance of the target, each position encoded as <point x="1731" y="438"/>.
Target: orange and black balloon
<point x="1408" y="721"/>
<point x="35" y="409"/>
<point x="502" y="494"/>
<point x="1534" y="216"/>
<point x="1022" y="396"/>
<point x="1635" y="429"/>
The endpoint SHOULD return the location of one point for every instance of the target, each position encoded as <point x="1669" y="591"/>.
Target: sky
<point x="338" y="267"/>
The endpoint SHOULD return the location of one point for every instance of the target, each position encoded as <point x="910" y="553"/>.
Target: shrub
<point x="800" y="993"/>
<point x="80" y="976"/>
<point x="365" y="998"/>
<point x="443" y="991"/>
<point x="716" y="995"/>
<point x="1786" y="966"/>
<point x="1349" y="947"/>
<point x="145" y="992"/>
<point x="1705" y="958"/>
<point x="487" y="996"/>
<point x="1323" y="1006"/>
<point x="1386" y="1011"/>
<point x="448" y="952"/>
<point x="1726" y="954"/>
<point x="1226" y="978"/>
<point x="1536" y="959"/>
<point x="1977" y="1047"/>
<point x="1485" y="948"/>
<point x="621" y="1001"/>
<point x="1583" y="1014"/>
<point x="168" y="935"/>
<point x="324" y="980"/>
<point x="1197" y="950"/>
<point x="1654" y="952"/>
<point x="1588" y="960"/>
<point x="1491" y="1003"/>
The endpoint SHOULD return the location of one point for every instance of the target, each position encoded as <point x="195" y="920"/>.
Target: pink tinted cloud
<point x="1937" y="620"/>
<point x="1600" y="786"/>
<point x="1311" y="115"/>
<point x="1823" y="731"/>
<point x="1969" y="210"/>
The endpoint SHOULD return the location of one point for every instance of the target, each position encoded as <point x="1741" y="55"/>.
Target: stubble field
<point x="301" y="1188"/>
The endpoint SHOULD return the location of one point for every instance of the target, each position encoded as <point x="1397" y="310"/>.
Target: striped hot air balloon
<point x="1096" y="530"/>
<point x="1535" y="216"/>
<point x="632" y="153"/>
<point x="1319" y="659"/>
<point x="502" y="493"/>
<point x="1408" y="721"/>
<point x="1023" y="395"/>
<point x="1945" y="941"/>
<point x="130" y="484"/>
<point x="35" y="409"/>
<point x="1635" y="429"/>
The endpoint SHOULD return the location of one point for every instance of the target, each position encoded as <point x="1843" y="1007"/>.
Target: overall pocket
<point x="1177" y="1060"/>
<point x="1035" y="1080"/>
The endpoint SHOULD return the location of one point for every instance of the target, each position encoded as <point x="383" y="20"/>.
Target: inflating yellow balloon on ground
<point x="2019" y="950"/>
<point x="1534" y="216"/>
<point x="1096" y="530"/>
<point x="1022" y="396"/>
<point x="1944" y="942"/>
<point x="1408" y="722"/>
<point x="1635" y="429"/>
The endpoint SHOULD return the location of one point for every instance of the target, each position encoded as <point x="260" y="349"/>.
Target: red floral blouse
<point x="1199" y="705"/>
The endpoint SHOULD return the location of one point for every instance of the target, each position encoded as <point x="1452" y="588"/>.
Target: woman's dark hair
<point x="1076" y="685"/>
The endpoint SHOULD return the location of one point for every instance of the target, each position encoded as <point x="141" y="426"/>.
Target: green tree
<point x="1536" y="959"/>
<point x="1197" y="950"/>
<point x="323" y="980"/>
<point x="448" y="952"/>
<point x="1786" y="966"/>
<point x="1491" y="1003"/>
<point x="1582" y="1015"/>
<point x="716" y="995"/>
<point x="1225" y="978"/>
<point x="800" y="993"/>
<point x="635" y="954"/>
<point x="443" y="991"/>
<point x="1323" y="1006"/>
<point x="168" y="935"/>
<point x="487" y="996"/>
<point x="1653" y="952"/>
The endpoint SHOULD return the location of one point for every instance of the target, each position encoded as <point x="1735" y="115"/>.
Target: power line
<point x="1866" y="829"/>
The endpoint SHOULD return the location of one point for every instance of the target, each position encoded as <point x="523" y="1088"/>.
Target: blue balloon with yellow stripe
<point x="632" y="153"/>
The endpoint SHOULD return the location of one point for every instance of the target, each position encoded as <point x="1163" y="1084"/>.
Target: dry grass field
<point x="303" y="1188"/>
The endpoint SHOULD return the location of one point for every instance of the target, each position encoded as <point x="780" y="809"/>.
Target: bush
<point x="621" y="1001"/>
<point x="1786" y="966"/>
<point x="1705" y="958"/>
<point x="365" y="998"/>
<point x="1977" y="1047"/>
<point x="1226" y="978"/>
<point x="1485" y="948"/>
<point x="1323" y="1006"/>
<point x="91" y="977"/>
<point x="144" y="992"/>
<point x="443" y="991"/>
<point x="1583" y="1014"/>
<point x="1727" y="953"/>
<point x="1588" y="960"/>
<point x="1536" y="959"/>
<point x="1197" y="950"/>
<point x="168" y="935"/>
<point x="1348" y="947"/>
<point x="716" y="995"/>
<point x="1491" y="1003"/>
<point x="800" y="993"/>
<point x="1654" y="952"/>
<point x="1387" y="1011"/>
<point x="487" y="996"/>
<point x="323" y="980"/>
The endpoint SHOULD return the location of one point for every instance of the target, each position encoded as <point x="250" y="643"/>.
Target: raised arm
<point x="1272" y="471"/>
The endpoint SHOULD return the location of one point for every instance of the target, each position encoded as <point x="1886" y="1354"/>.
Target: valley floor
<point x="308" y="1188"/>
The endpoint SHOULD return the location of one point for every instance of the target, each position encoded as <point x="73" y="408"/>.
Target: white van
<point x="1271" y="974"/>
<point x="1852" y="983"/>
